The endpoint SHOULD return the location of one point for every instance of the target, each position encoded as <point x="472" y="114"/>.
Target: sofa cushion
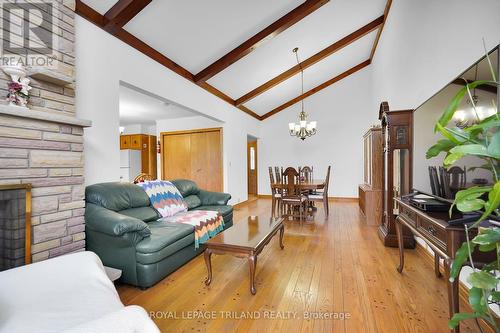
<point x="192" y="201"/>
<point x="166" y="239"/>
<point x="117" y="196"/>
<point x="224" y="210"/>
<point x="186" y="187"/>
<point x="145" y="214"/>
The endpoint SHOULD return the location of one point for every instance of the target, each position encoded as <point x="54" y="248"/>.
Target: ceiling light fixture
<point x="303" y="129"/>
<point x="475" y="113"/>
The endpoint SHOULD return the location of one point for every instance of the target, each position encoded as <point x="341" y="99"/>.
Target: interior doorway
<point x="252" y="167"/>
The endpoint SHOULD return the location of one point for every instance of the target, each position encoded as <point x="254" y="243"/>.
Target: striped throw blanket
<point x="206" y="224"/>
<point x="164" y="197"/>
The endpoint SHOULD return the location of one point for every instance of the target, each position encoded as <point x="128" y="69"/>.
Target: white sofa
<point x="71" y="293"/>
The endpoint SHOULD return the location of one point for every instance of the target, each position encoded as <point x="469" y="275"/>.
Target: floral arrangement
<point x="19" y="92"/>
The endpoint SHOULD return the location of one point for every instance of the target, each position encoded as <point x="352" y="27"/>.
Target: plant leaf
<point x="492" y="266"/>
<point x="477" y="300"/>
<point x="457" y="317"/>
<point x="487" y="248"/>
<point x="472" y="192"/>
<point x="452" y="158"/>
<point x="472" y="149"/>
<point x="483" y="280"/>
<point x="494" y="146"/>
<point x="460" y="257"/>
<point x="495" y="296"/>
<point x="470" y="205"/>
<point x="446" y="133"/>
<point x="485" y="124"/>
<point x="455" y="102"/>
<point x="487" y="237"/>
<point x="493" y="201"/>
<point x="442" y="145"/>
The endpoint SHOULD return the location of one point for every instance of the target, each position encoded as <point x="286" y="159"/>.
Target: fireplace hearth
<point x="15" y="225"/>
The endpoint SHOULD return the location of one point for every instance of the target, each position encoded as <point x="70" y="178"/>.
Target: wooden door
<point x="252" y="167"/>
<point x="194" y="155"/>
<point x="176" y="156"/>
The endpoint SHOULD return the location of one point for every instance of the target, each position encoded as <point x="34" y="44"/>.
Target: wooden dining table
<point x="315" y="184"/>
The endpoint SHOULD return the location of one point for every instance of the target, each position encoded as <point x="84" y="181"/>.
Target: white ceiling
<point x="102" y="6"/>
<point x="330" y="23"/>
<point x="195" y="33"/>
<point x="141" y="108"/>
<point x="323" y="71"/>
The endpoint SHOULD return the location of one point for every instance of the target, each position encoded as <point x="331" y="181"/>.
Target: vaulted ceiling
<point x="241" y="51"/>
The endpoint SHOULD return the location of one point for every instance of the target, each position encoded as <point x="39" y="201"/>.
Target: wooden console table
<point x="444" y="240"/>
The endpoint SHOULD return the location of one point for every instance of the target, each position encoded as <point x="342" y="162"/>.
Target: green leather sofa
<point x="122" y="228"/>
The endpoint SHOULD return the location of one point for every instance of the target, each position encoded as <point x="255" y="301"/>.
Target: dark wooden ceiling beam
<point x="381" y="28"/>
<point x="257" y="40"/>
<point x="122" y="12"/>
<point x="101" y="21"/>
<point x="338" y="45"/>
<point x="485" y="87"/>
<point x="317" y="88"/>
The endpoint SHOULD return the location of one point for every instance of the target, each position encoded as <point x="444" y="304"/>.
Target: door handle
<point x="432" y="230"/>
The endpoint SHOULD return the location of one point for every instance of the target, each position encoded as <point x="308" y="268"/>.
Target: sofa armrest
<point x="209" y="198"/>
<point x="112" y="223"/>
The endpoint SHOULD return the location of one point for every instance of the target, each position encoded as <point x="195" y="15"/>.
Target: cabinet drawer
<point x="124" y="141"/>
<point x="432" y="231"/>
<point x="135" y="141"/>
<point x="410" y="216"/>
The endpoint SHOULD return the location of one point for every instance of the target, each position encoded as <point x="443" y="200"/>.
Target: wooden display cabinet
<point x="370" y="192"/>
<point x="397" y="140"/>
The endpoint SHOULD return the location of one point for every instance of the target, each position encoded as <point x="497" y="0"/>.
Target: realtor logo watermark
<point x="27" y="34"/>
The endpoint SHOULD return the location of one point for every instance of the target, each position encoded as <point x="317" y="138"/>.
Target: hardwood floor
<point x="334" y="266"/>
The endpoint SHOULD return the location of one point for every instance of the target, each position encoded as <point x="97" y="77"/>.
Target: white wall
<point x="344" y="112"/>
<point x="428" y="43"/>
<point x="103" y="61"/>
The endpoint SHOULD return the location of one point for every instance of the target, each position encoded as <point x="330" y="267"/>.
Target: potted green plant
<point x="481" y="139"/>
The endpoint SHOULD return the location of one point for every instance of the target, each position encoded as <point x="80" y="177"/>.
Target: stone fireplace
<point x="43" y="145"/>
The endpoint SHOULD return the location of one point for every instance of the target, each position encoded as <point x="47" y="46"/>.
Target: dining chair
<point x="278" y="174"/>
<point x="322" y="196"/>
<point x="458" y="178"/>
<point x="292" y="197"/>
<point x="275" y="193"/>
<point x="444" y="179"/>
<point x="435" y="184"/>
<point x="306" y="173"/>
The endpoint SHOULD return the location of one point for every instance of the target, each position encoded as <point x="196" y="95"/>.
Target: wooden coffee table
<point x="245" y="239"/>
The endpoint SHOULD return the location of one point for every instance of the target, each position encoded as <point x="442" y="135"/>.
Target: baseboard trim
<point x="343" y="199"/>
<point x="239" y="204"/>
<point x="331" y="199"/>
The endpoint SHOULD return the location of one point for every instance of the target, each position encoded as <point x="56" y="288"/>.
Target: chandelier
<point x="302" y="129"/>
<point x="474" y="113"/>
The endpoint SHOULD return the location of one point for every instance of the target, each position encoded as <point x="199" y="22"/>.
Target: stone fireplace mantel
<point x="40" y="115"/>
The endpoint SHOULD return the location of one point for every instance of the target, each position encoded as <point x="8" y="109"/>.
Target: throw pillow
<point x="164" y="197"/>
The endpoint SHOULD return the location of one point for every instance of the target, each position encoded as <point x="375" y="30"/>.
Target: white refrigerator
<point x="130" y="164"/>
